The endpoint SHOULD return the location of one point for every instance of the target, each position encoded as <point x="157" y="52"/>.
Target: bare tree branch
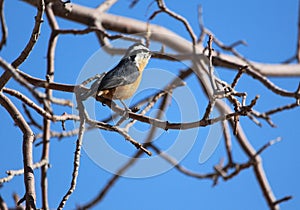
<point x="28" y="137"/>
<point x="39" y="109"/>
<point x="3" y="25"/>
<point x="47" y="105"/>
<point x="121" y="132"/>
<point x="116" y="23"/>
<point x="227" y="142"/>
<point x="76" y="161"/>
<point x="108" y="27"/>
<point x="33" y="39"/>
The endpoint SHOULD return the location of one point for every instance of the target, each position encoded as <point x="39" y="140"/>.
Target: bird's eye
<point x="132" y="57"/>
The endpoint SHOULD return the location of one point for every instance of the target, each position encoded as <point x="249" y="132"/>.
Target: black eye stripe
<point x="132" y="57"/>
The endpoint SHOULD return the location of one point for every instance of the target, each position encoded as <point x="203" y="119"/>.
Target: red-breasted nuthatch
<point x="122" y="81"/>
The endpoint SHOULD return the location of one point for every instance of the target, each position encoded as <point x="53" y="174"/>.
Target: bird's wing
<point x="123" y="74"/>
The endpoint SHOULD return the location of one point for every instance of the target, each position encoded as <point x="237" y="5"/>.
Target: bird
<point x="122" y="81"/>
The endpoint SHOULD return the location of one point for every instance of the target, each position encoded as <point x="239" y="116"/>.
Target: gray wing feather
<point x="124" y="73"/>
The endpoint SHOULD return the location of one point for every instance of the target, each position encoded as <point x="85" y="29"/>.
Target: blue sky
<point x="269" y="28"/>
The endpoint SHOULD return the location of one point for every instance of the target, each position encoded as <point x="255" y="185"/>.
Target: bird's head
<point x="140" y="54"/>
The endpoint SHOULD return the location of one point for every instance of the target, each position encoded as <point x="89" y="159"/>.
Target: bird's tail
<point x="92" y="92"/>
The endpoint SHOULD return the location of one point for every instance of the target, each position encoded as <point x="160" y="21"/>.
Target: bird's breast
<point x="126" y="91"/>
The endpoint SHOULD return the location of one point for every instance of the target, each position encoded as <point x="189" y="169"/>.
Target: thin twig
<point x="121" y="132"/>
<point x="76" y="161"/>
<point x="284" y="199"/>
<point x="33" y="39"/>
<point x="39" y="109"/>
<point x="209" y="109"/>
<point x="133" y="3"/>
<point x="289" y="60"/>
<point x="32" y="121"/>
<point x="255" y="120"/>
<point x="298" y="40"/>
<point x="237" y="77"/>
<point x="20" y="79"/>
<point x="237" y="169"/>
<point x="47" y="105"/>
<point x="270" y="143"/>
<point x="163" y="8"/>
<point x="227" y="139"/>
<point x="255" y="74"/>
<point x="266" y="115"/>
<point x="58" y="135"/>
<point x="179" y="167"/>
<point x="210" y="65"/>
<point x="3" y="205"/>
<point x="106" y="5"/>
<point x="147" y="108"/>
<point x="203" y="31"/>
<point x="12" y="173"/>
<point x="280" y="109"/>
<point x="16" y="199"/>
<point x="3" y="25"/>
